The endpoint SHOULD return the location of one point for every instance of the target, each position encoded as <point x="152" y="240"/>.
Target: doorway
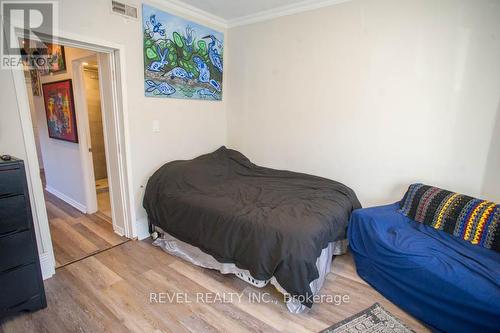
<point x="113" y="68"/>
<point x="76" y="175"/>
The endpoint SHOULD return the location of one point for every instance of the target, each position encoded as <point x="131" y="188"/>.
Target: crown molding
<point x="200" y="14"/>
<point x="298" y="7"/>
<point x="191" y="11"/>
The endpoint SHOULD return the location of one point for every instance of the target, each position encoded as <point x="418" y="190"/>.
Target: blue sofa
<point x="449" y="284"/>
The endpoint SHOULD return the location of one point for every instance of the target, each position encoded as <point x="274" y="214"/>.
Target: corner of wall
<point x="491" y="182"/>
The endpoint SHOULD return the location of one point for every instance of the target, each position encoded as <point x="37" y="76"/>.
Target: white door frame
<point x="115" y="54"/>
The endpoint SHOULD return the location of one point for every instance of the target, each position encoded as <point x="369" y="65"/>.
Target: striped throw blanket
<point x="473" y="220"/>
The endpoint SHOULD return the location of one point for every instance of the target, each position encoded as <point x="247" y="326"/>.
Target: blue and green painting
<point x="182" y="59"/>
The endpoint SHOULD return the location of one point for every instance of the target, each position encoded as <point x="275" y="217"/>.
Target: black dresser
<point x="21" y="285"/>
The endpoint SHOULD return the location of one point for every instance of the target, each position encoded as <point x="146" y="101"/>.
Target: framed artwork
<point x="35" y="82"/>
<point x="55" y="59"/>
<point x="182" y="59"/>
<point x="60" y="110"/>
<point x="48" y="58"/>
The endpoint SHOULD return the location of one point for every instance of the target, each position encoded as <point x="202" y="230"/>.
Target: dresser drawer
<point x="34" y="303"/>
<point x="16" y="250"/>
<point x="18" y="286"/>
<point x="11" y="182"/>
<point x="13" y="216"/>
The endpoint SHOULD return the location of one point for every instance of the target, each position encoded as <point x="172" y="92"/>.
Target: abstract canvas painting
<point x="60" y="110"/>
<point x="182" y="59"/>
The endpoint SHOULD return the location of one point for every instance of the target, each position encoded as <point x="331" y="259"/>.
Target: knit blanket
<point x="473" y="220"/>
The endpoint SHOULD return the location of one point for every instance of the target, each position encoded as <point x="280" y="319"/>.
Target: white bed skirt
<point x="197" y="257"/>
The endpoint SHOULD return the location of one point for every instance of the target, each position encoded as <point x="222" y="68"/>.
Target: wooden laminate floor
<point x="76" y="235"/>
<point x="104" y="205"/>
<point x="111" y="292"/>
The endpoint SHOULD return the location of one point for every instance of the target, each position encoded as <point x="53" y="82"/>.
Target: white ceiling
<point x="231" y="10"/>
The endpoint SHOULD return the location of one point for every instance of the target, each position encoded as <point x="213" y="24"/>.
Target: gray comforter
<point x="269" y="222"/>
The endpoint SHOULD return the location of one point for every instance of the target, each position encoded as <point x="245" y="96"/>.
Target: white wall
<point x="491" y="184"/>
<point x="61" y="159"/>
<point x="11" y="134"/>
<point x="375" y="94"/>
<point x="188" y="128"/>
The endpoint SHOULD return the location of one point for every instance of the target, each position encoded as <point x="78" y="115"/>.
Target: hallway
<point x="76" y="235"/>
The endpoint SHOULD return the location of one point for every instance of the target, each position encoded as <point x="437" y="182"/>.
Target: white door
<point x="112" y="138"/>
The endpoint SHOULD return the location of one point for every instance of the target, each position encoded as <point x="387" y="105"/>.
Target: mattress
<point x="272" y="223"/>
<point x="194" y="255"/>
<point x="448" y="283"/>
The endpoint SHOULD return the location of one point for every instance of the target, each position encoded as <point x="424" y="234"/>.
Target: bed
<point x="221" y="211"/>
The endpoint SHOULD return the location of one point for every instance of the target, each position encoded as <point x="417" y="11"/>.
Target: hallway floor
<point x="76" y="235"/>
<point x="104" y="206"/>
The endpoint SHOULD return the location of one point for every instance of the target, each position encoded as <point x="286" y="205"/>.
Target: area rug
<point x="375" y="319"/>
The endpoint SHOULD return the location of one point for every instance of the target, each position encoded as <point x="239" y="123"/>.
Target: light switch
<point x="156" y="126"/>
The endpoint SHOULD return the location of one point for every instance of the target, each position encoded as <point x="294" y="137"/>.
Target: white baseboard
<point x="118" y="230"/>
<point x="47" y="265"/>
<point x="82" y="208"/>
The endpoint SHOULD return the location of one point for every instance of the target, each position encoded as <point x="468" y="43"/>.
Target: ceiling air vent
<point x="124" y="9"/>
